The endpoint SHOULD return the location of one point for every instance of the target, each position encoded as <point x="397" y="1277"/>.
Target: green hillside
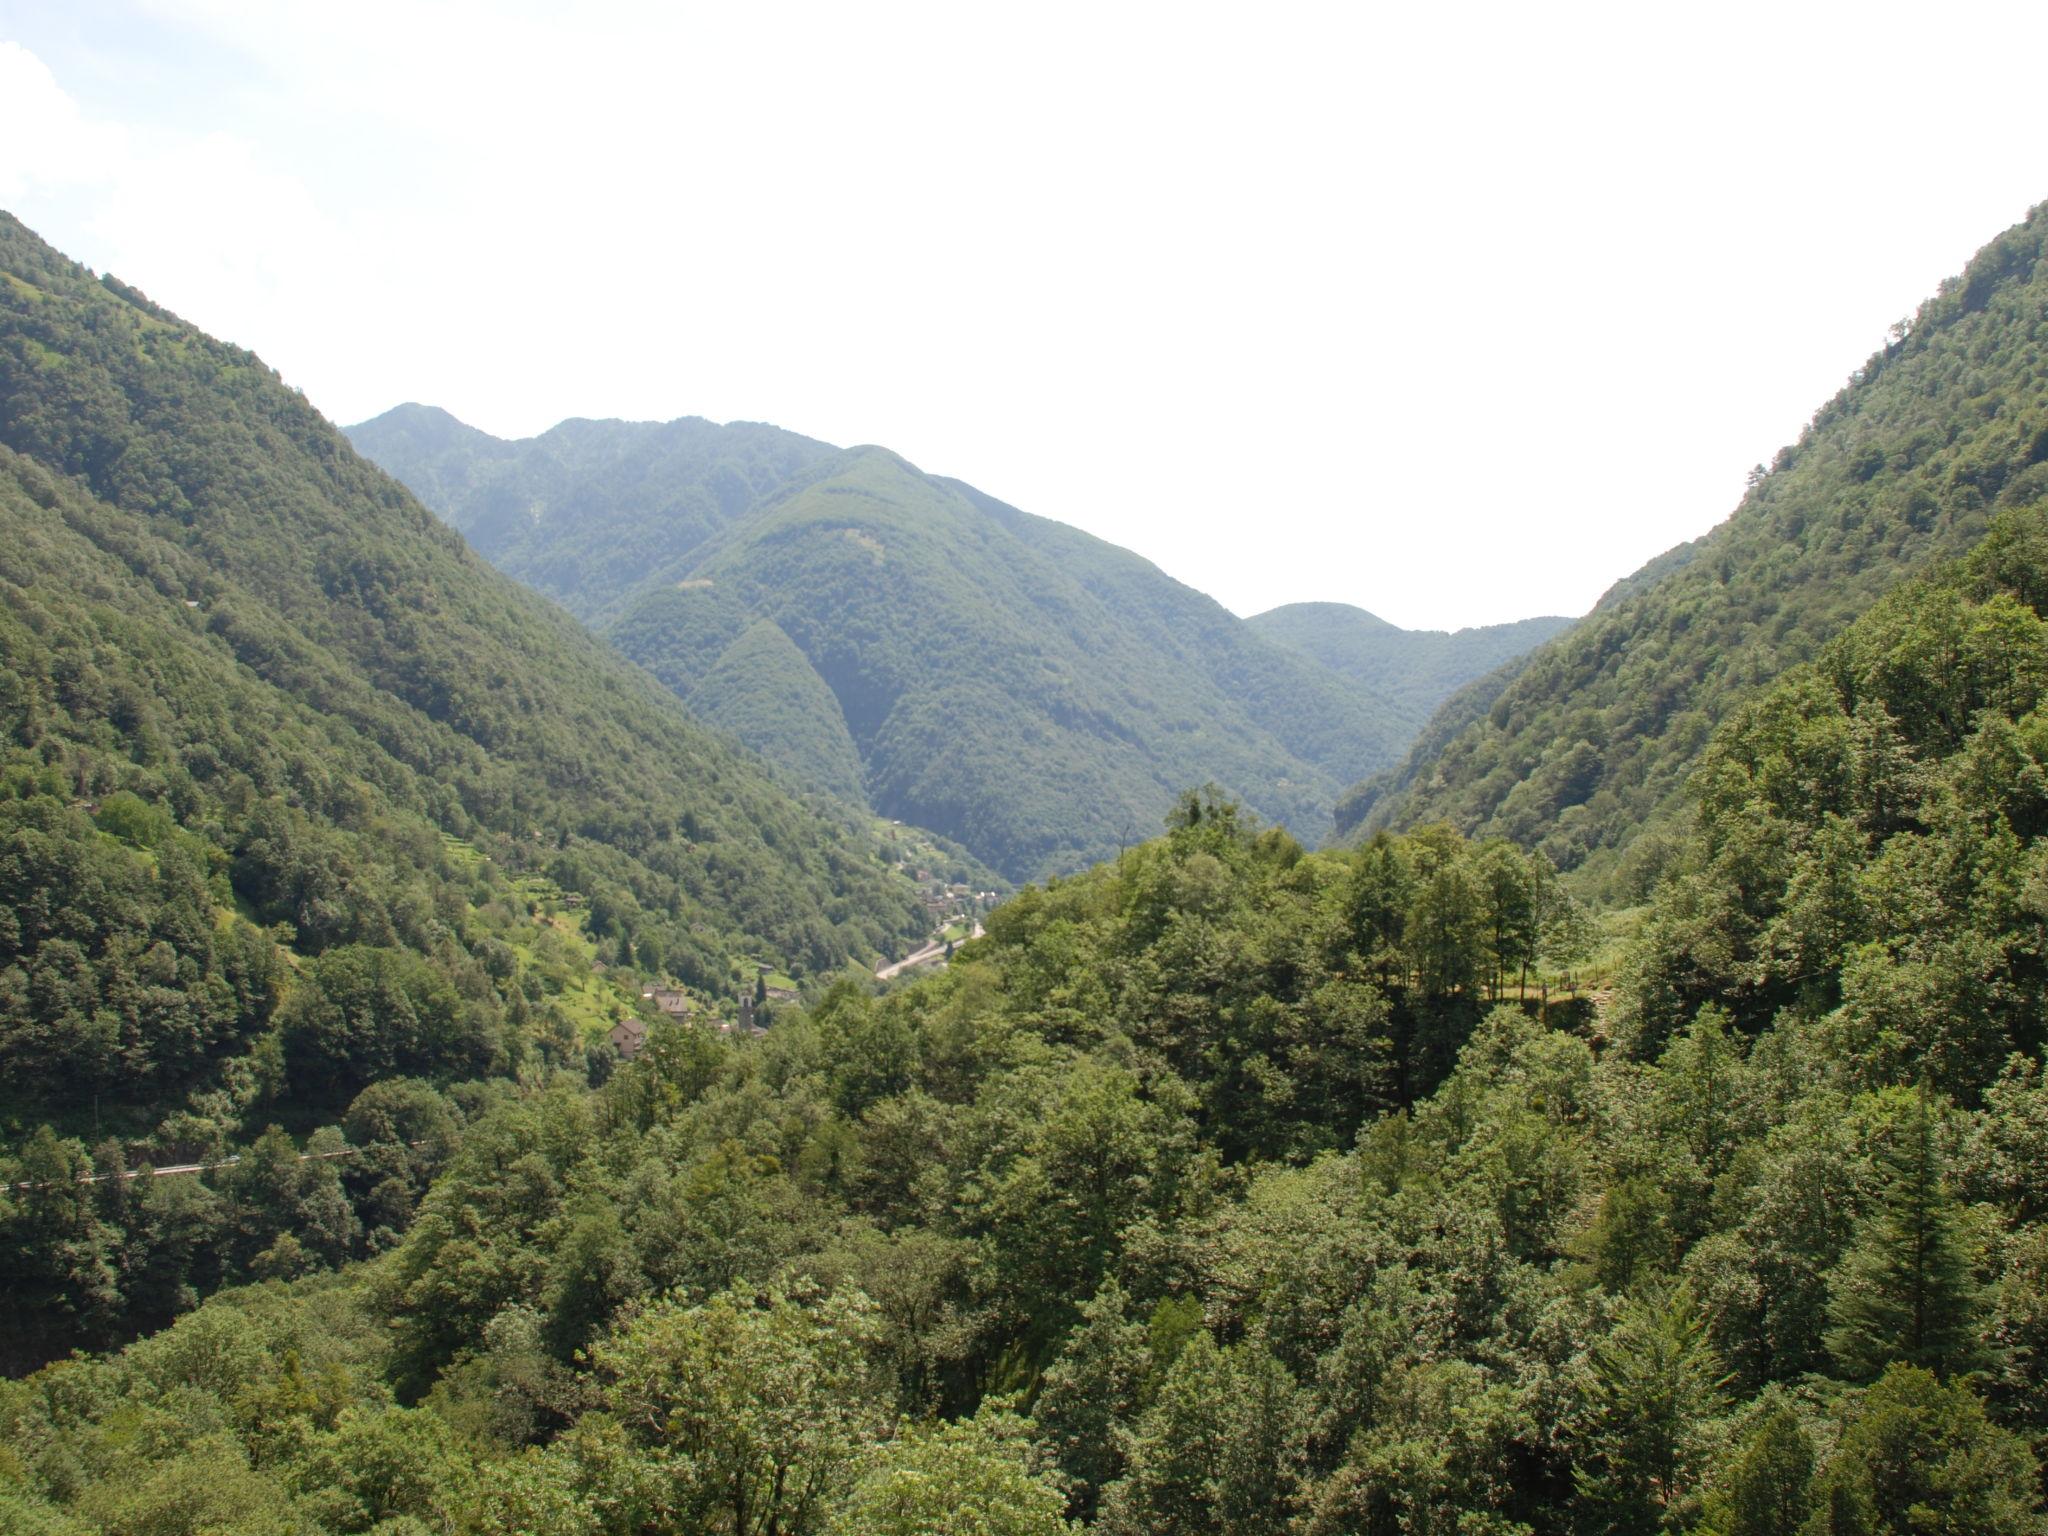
<point x="1011" y="683"/>
<point x="589" y="509"/>
<point x="1032" y="693"/>
<point x="1224" y="1188"/>
<point x="299" y="797"/>
<point x="1233" y="1188"/>
<point x="1415" y="669"/>
<point x="1592" y="739"/>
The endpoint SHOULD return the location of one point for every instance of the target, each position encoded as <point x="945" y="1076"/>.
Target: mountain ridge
<point x="1588" y="744"/>
<point x="1417" y="669"/>
<point x="421" y="685"/>
<point x="1120" y="687"/>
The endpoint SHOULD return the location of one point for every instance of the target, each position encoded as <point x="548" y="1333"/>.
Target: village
<point x="955" y="909"/>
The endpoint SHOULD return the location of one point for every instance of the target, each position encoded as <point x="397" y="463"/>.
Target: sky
<point x="1457" y="312"/>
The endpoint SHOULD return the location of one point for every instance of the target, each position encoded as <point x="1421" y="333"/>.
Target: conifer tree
<point x="1904" y="1291"/>
<point x="1655" y="1381"/>
<point x="1766" y="1488"/>
<point x="1091" y="1395"/>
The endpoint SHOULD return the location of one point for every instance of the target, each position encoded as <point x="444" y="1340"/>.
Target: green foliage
<point x="1588" y="742"/>
<point x="972" y="1478"/>
<point x="1227" y="1187"/>
<point x="751" y="1409"/>
<point x="1766" y="1485"/>
<point x="1918" y="1455"/>
<point x="297" y="797"/>
<point x="1216" y="1451"/>
<point x="903" y="641"/>
<point x="1905" y="1291"/>
<point x="1655" y="1382"/>
<point x="1414" y="670"/>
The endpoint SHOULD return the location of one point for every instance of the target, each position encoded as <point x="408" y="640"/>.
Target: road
<point x="228" y="1162"/>
<point x="936" y="950"/>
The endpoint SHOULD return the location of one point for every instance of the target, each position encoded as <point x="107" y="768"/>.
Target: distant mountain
<point x="589" y="509"/>
<point x="905" y="640"/>
<point x="1413" y="669"/>
<point x="1032" y="693"/>
<point x="1589" y="740"/>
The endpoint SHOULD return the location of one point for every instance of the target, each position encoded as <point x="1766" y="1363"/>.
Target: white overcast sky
<point x="1456" y="312"/>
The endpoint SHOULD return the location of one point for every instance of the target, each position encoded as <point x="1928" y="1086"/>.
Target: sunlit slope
<point x="325" y="581"/>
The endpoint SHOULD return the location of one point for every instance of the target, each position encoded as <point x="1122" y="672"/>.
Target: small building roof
<point x="627" y="1036"/>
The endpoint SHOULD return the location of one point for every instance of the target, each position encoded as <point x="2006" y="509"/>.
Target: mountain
<point x="1413" y="669"/>
<point x="1298" y="1207"/>
<point x="1589" y="742"/>
<point x="297" y="794"/>
<point x="905" y="641"/>
<point x="586" y="511"/>
<point x="1223" y="1187"/>
<point x="1036" y="695"/>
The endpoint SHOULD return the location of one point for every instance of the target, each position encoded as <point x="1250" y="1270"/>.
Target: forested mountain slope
<point x="1593" y="737"/>
<point x="904" y="640"/>
<point x="585" y="511"/>
<point x="1228" y="1188"/>
<point x="1413" y="669"/>
<point x="298" y="795"/>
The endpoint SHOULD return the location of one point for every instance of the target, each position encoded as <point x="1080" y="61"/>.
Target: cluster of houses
<point x="629" y="1035"/>
<point x="945" y="900"/>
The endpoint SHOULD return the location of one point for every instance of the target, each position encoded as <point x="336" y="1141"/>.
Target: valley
<point x="681" y="978"/>
<point x="908" y="645"/>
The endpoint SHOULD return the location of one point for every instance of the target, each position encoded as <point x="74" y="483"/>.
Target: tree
<point x="1377" y="906"/>
<point x="1217" y="1454"/>
<point x="1765" y="1488"/>
<point x="1508" y="909"/>
<point x="1905" y="1291"/>
<point x="755" y="1404"/>
<point x="1655" y="1381"/>
<point x="1920" y="1455"/>
<point x="971" y="1478"/>
<point x="1567" y="931"/>
<point x="1090" y="1396"/>
<point x="55" y="1253"/>
<point x="1444" y="930"/>
<point x="1629" y="1244"/>
<point x="590" y="1272"/>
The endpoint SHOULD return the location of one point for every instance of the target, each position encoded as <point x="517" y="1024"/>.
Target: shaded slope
<point x="1592" y="739"/>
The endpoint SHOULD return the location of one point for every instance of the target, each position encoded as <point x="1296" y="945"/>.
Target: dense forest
<point x="907" y="644"/>
<point x="1589" y="742"/>
<point x="1224" y="1188"/>
<point x="1231" y="1187"/>
<point x="299" y="799"/>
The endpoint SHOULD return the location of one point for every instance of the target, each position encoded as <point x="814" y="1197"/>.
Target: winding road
<point x="936" y="950"/>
